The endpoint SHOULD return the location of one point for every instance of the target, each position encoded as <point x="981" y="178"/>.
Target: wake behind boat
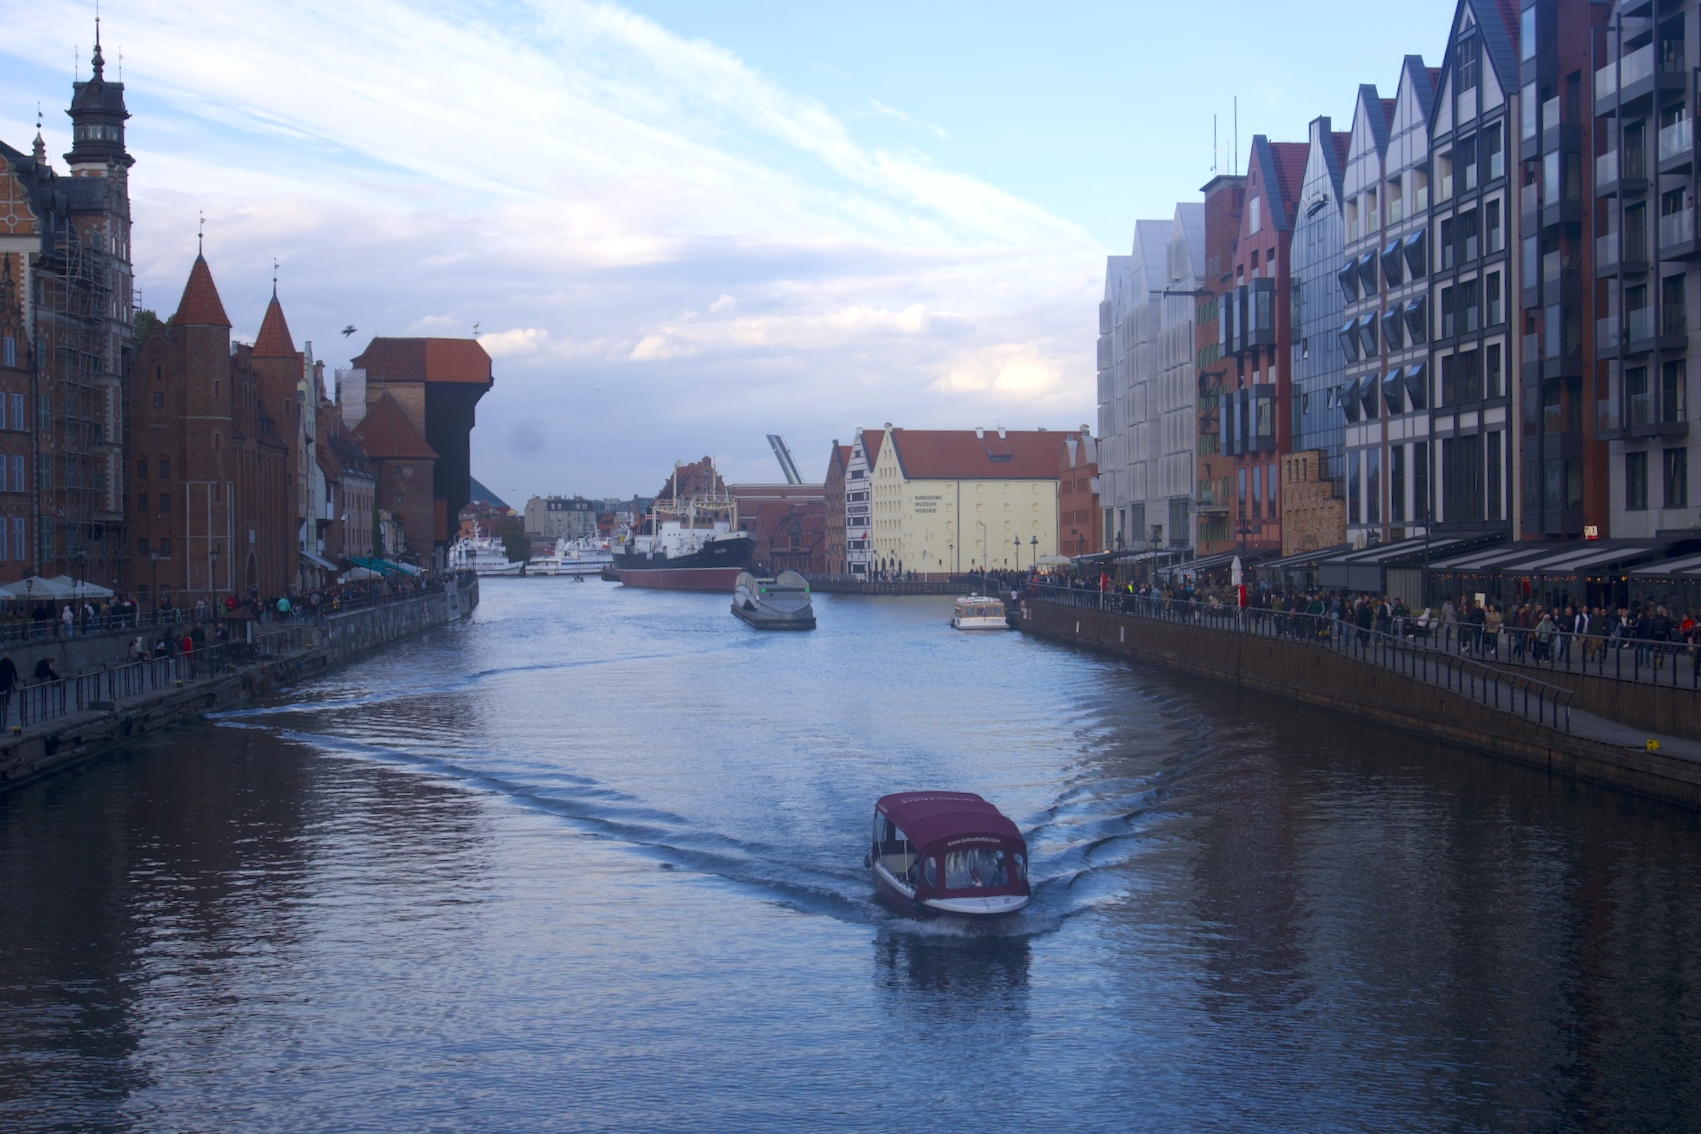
<point x="780" y="603"/>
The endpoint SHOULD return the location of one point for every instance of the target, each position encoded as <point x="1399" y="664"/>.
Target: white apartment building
<point x="1147" y="388"/>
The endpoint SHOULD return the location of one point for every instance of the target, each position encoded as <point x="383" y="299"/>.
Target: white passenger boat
<point x="483" y="556"/>
<point x="578" y="558"/>
<point x="978" y="612"/>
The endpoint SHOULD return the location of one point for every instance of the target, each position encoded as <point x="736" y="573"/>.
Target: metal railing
<point x="1490" y="685"/>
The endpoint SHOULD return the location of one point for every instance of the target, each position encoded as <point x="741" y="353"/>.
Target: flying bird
<point x="349" y="330"/>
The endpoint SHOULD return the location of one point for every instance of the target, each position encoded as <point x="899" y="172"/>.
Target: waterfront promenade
<point x="1392" y="680"/>
<point x="50" y="724"/>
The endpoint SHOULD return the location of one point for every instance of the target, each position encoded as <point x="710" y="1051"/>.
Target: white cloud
<point x="581" y="179"/>
<point x="907" y="119"/>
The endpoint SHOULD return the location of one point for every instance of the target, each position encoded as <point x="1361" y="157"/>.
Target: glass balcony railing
<point x="1550" y="113"/>
<point x="1636" y="66"/>
<point x="1532" y="347"/>
<point x="1677" y="228"/>
<point x="1606" y="169"/>
<point x="1641" y="324"/>
<point x="1530" y="197"/>
<point x="1641" y="409"/>
<point x="1606" y="415"/>
<point x="1606" y="333"/>
<point x="1676" y="140"/>
<point x="1395" y="213"/>
<point x="1606" y="81"/>
<point x="1606" y="250"/>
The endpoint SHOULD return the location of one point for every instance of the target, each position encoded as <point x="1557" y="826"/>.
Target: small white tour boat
<point x="483" y="556"/>
<point x="978" y="612"/>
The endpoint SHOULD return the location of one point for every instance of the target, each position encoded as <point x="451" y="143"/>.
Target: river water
<point x="592" y="861"/>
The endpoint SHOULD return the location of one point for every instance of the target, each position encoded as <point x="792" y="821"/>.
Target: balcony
<point x="1636" y="73"/>
<point x="1677" y="236"/>
<point x="1640" y="409"/>
<point x="1609" y="426"/>
<point x="1677" y="145"/>
<point x="1641" y="330"/>
<point x="1633" y="252"/>
<point x="1606" y="255"/>
<point x="1606" y="336"/>
<point x="1674" y="328"/>
<point x="1606" y="87"/>
<point x="1530" y="202"/>
<point x="1606" y="171"/>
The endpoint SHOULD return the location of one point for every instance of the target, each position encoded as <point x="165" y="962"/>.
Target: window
<point x="1491" y="371"/>
<point x="1353" y="505"/>
<point x="1255" y="215"/>
<point x="1449" y="243"/>
<point x="165" y="468"/>
<point x="142" y="547"/>
<point x="165" y="549"/>
<point x="1635" y="482"/>
<point x="1494" y="462"/>
<point x="142" y="468"/>
<point x="159" y="401"/>
<point x="1465" y="160"/>
<point x="8" y="351"/>
<point x="1420" y="190"/>
<point x="1494" y="232"/>
<point x="1673" y="388"/>
<point x="1530" y="107"/>
<point x="1494" y="309"/>
<point x="142" y="504"/>
<point x="17" y="418"/>
<point x="1397" y="484"/>
<point x="18" y="473"/>
<point x="1465" y="62"/>
<point x="18" y="541"/>
<point x="1492" y="152"/>
<point x="165" y="503"/>
<point x="4" y="487"/>
<point x="1527" y="34"/>
<point x="1676" y="478"/>
<point x="1373" y="486"/>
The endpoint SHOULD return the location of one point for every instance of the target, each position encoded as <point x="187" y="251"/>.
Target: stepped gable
<point x="957" y="454"/>
<point x="274" y="340"/>
<point x="200" y="306"/>
<point x="386" y="434"/>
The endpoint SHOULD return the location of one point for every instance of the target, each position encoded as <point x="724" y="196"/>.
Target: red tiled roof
<point x="200" y="305"/>
<point x="957" y="454"/>
<point x="841" y="456"/>
<point x="386" y="433"/>
<point x="425" y="360"/>
<point x="1388" y="105"/>
<point x="1343" y="143"/>
<point x="274" y="340"/>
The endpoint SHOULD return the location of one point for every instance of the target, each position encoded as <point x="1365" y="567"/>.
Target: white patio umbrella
<point x="82" y="588"/>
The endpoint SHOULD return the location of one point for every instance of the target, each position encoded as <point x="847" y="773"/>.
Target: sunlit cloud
<point x="665" y="252"/>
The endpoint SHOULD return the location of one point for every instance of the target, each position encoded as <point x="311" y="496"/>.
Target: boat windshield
<point x="976" y="868"/>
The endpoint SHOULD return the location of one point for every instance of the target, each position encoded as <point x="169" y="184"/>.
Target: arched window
<point x="159" y="401"/>
<point x="141" y="468"/>
<point x="165" y="468"/>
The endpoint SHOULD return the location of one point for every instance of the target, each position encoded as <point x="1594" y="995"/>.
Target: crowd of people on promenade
<point x="1559" y="634"/>
<point x="187" y="630"/>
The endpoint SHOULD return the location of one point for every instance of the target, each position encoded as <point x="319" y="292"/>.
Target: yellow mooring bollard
<point x="1653" y="745"/>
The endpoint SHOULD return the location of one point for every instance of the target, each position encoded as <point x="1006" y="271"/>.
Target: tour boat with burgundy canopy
<point x="947" y="852"/>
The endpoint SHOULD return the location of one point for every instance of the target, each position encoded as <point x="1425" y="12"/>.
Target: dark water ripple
<point x="592" y="862"/>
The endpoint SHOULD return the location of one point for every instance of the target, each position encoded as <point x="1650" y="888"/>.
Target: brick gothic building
<point x="65" y="244"/>
<point x="833" y="492"/>
<point x="1078" y="494"/>
<point x="211" y="508"/>
<point x="432" y="387"/>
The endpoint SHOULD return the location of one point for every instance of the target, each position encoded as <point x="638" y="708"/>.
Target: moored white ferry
<point x="579" y="558"/>
<point x="483" y="556"/>
<point x="978" y="612"/>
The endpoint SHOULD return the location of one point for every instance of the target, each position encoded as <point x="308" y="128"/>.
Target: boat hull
<point x="764" y="619"/>
<point x="717" y="579"/>
<point x="969" y="909"/>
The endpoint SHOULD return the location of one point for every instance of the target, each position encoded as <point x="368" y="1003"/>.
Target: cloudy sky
<point x="681" y="225"/>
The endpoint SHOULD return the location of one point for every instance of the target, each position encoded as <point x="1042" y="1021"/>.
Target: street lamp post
<point x="981" y="524"/>
<point x="1033" y="559"/>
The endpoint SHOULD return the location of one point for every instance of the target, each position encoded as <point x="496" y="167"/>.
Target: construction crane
<point x="783" y="455"/>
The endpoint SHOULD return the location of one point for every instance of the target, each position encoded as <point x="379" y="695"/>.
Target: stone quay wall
<point x="1297" y="672"/>
<point x="31" y="752"/>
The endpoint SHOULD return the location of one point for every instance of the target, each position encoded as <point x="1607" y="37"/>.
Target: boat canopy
<point x="931" y="819"/>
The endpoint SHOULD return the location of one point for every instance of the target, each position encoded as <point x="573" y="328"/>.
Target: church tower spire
<point x="97" y="118"/>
